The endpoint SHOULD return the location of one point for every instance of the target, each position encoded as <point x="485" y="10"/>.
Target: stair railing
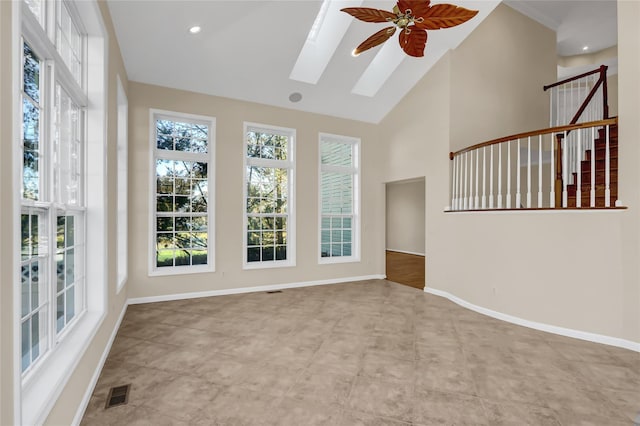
<point x="518" y="171"/>
<point x="565" y="98"/>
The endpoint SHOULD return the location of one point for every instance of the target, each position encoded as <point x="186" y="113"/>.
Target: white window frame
<point x="37" y="389"/>
<point x="123" y="183"/>
<point x="355" y="172"/>
<point x="209" y="157"/>
<point x="289" y="164"/>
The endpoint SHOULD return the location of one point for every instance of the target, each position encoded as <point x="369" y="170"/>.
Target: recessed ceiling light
<point x="585" y="48"/>
<point x="195" y="29"/>
<point x="295" y="97"/>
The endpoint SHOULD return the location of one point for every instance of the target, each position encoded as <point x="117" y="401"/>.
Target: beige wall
<point x="496" y="82"/>
<point x="230" y="115"/>
<point x="569" y="269"/>
<point x="629" y="154"/>
<point x="405" y="223"/>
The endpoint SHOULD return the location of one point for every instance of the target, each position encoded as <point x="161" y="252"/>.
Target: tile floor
<point x="365" y="353"/>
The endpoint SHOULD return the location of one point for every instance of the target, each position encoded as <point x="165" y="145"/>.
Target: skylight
<point x="325" y="35"/>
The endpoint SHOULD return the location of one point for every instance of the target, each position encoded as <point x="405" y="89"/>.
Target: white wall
<point x="405" y="224"/>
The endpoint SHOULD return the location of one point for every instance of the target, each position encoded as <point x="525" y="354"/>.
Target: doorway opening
<point x="405" y="232"/>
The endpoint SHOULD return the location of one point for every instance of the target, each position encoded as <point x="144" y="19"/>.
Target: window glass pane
<point x="35" y="336"/>
<point x="31" y="154"/>
<point x="60" y="312"/>
<point x="25" y="335"/>
<point x="336" y="153"/>
<point x="31" y="73"/>
<point x="35" y="285"/>
<point x="70" y="266"/>
<point x="199" y="257"/>
<point x="267" y="145"/>
<point x="25" y="287"/>
<point x="164" y="258"/>
<point x="60" y="272"/>
<point x="70" y="299"/>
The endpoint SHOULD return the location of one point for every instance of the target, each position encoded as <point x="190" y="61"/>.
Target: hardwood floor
<point x="407" y="269"/>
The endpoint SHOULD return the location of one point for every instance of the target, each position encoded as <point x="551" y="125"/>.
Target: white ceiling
<point x="247" y="49"/>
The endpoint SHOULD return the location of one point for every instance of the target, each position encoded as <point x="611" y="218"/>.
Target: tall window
<point x="53" y="180"/>
<point x="182" y="222"/>
<point x="269" y="222"/>
<point x="339" y="199"/>
<point x="62" y="137"/>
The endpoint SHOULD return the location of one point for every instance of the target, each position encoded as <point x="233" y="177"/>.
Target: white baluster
<point x="565" y="160"/>
<point x="477" y="198"/>
<point x="539" y="171"/>
<point x="529" y="172"/>
<point x="491" y="178"/>
<point x="552" y="193"/>
<point x="465" y="205"/>
<point x="579" y="174"/>
<point x="518" y="173"/>
<point x="500" y="176"/>
<point x="453" y="184"/>
<point x="508" y="195"/>
<point x="592" y="192"/>
<point x="460" y="179"/>
<point x="471" y="207"/>
<point x="607" y="172"/>
<point x="484" y="177"/>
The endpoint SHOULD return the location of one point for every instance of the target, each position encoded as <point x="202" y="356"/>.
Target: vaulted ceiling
<point x="267" y="51"/>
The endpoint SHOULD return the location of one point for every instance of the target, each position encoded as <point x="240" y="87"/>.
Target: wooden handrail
<point x="559" y="129"/>
<point x="570" y="79"/>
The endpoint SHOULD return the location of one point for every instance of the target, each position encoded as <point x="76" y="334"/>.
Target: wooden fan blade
<point x="413" y="40"/>
<point x="376" y="39"/>
<point x="445" y="16"/>
<point x="368" y="14"/>
<point x="418" y="7"/>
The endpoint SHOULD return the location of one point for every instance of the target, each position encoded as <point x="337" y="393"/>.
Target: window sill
<point x="181" y="270"/>
<point x="44" y="384"/>
<point x="340" y="259"/>
<point x="269" y="265"/>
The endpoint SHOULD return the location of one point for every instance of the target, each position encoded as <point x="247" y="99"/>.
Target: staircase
<point x="600" y="172"/>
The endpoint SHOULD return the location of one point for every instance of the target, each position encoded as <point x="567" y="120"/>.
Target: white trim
<point x="210" y="158"/>
<point x="405" y="252"/>
<point x="241" y="290"/>
<point x="562" y="331"/>
<point x="98" y="370"/>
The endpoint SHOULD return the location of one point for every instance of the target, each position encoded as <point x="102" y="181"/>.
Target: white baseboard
<point x="96" y="375"/>
<point x="405" y="252"/>
<point x="225" y="292"/>
<point x="577" y="334"/>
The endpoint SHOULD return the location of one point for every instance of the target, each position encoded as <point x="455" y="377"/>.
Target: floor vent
<point x="118" y="395"/>
<point x="274" y="291"/>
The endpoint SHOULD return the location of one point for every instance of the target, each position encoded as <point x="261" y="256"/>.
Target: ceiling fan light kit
<point x="413" y="18"/>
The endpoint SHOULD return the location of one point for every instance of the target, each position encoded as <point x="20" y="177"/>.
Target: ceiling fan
<point x="414" y="18"/>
